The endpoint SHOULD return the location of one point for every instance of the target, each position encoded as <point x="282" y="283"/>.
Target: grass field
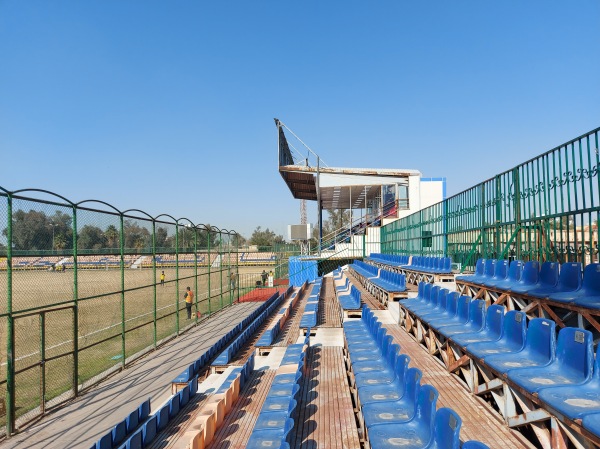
<point x="100" y="321"/>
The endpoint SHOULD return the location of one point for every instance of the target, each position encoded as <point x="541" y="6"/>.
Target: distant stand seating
<point x="385" y="285"/>
<point x="415" y="268"/>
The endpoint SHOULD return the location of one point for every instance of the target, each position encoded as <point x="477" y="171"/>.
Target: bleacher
<point x="394" y="408"/>
<point x="311" y="309"/>
<point x="415" y="268"/>
<point x="385" y="285"/>
<point x="526" y="369"/>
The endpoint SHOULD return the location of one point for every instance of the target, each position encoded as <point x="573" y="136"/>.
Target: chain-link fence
<point x="86" y="288"/>
<point x="545" y="209"/>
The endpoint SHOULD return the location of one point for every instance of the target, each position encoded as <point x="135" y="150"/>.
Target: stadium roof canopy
<point x="338" y="188"/>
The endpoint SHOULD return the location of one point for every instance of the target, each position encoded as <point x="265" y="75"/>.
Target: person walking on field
<point x="264" y="276"/>
<point x="189" y="300"/>
<point x="162" y="278"/>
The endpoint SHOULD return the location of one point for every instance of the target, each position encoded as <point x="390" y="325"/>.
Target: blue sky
<point x="168" y="106"/>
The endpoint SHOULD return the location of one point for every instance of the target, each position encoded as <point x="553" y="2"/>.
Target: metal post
<point x="177" y="278"/>
<point x="42" y="362"/>
<point x="208" y="239"/>
<point x="221" y="266"/>
<point x="10" y="334"/>
<point x="320" y="214"/>
<point x="122" y="245"/>
<point x="154" y="280"/>
<point x="75" y="308"/>
<point x="196" y="272"/>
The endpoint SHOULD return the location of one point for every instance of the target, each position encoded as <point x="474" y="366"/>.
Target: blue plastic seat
<point x="428" y="305"/>
<point x="572" y="364"/>
<point x="271" y="420"/>
<point x="500" y="273"/>
<point x="396" y="365"/>
<point x="539" y="349"/>
<point x="420" y="299"/>
<point x="474" y="324"/>
<point x="286" y="390"/>
<point x="105" y="442"/>
<point x="279" y="404"/>
<point x="577" y="401"/>
<point x="441" y="431"/>
<point x="548" y="280"/>
<point x="440" y="305"/>
<point x="488" y="272"/>
<point x="494" y="320"/>
<point x="589" y="293"/>
<point x="365" y="356"/>
<point x="514" y="275"/>
<point x="404" y="409"/>
<point x="529" y="277"/>
<point x="119" y="433"/>
<point x="149" y="429"/>
<point x="569" y="281"/>
<point x="479" y="270"/>
<point x="591" y="422"/>
<point x="271" y="438"/>
<point x="461" y="317"/>
<point x="385" y="361"/>
<point x="512" y="340"/>
<point x="134" y="441"/>
<point x="392" y="391"/>
<point x="132" y="421"/>
<point x="473" y="444"/>
<point x="448" y="313"/>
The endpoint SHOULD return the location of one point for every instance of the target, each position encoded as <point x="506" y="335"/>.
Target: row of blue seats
<point x="567" y="283"/>
<point x="390" y="281"/>
<point x="395" y="407"/>
<point x="227" y="354"/>
<point x="276" y="419"/>
<point x="244" y="371"/>
<point x="390" y="259"/>
<point x="561" y="372"/>
<point x="270" y="334"/>
<point x="311" y="309"/>
<point x="194" y="368"/>
<point x="139" y="428"/>
<point x="437" y="265"/>
<point x="365" y="270"/>
<point x="347" y="294"/>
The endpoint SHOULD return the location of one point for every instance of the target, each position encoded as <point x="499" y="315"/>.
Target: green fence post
<point x="208" y="239"/>
<point x="75" y="308"/>
<point x="517" y="209"/>
<point x="122" y="250"/>
<point x="154" y="311"/>
<point x="177" y="277"/>
<point x="43" y="362"/>
<point x="10" y="333"/>
<point x="196" y="272"/>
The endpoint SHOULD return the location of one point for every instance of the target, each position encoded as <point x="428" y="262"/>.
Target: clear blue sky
<point x="168" y="106"/>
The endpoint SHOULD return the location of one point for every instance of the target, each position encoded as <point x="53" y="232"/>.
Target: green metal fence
<point x="82" y="292"/>
<point x="545" y="209"/>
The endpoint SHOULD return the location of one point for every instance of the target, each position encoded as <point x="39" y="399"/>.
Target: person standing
<point x="162" y="278"/>
<point x="264" y="276"/>
<point x="189" y="300"/>
<point x="232" y="280"/>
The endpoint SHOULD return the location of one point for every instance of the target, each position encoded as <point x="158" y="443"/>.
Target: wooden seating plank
<point x="239" y="423"/>
<point x="326" y="417"/>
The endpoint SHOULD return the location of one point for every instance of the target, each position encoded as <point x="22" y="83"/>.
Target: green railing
<point x="81" y="293"/>
<point x="545" y="209"/>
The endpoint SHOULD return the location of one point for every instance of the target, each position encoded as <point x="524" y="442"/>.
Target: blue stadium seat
<point x="548" y="280"/>
<point x="119" y="432"/>
<point x="149" y="429"/>
<point x="105" y="442"/>
<point x="569" y="281"/>
<point x="514" y="275"/>
<point x="386" y="377"/>
<point x="385" y="392"/>
<point x="447" y="314"/>
<point x="494" y="320"/>
<point x="370" y="355"/>
<point x="461" y="317"/>
<point x="479" y="270"/>
<point x="132" y="421"/>
<point x="474" y="324"/>
<point x="574" y="402"/>
<point x="572" y="364"/>
<point x="592" y="423"/>
<point x="433" y="431"/>
<point x="420" y="299"/>
<point x="135" y="441"/>
<point x="289" y="391"/>
<point x="162" y="417"/>
<point x="500" y="273"/>
<point x="589" y="293"/>
<point x="472" y="444"/>
<point x="488" y="272"/>
<point x="433" y="301"/>
<point x="278" y="404"/>
<point x="385" y="361"/>
<point x="271" y="420"/>
<point x="174" y="406"/>
<point x="438" y="308"/>
<point x="539" y="349"/>
<point x="404" y="409"/>
<point x="271" y="438"/>
<point x="144" y="410"/>
<point x="529" y="277"/>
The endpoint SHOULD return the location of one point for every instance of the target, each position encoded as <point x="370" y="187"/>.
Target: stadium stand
<point x="311" y="309"/>
<point x="385" y="286"/>
<point x="533" y="372"/>
<point x="420" y="269"/>
<point x="394" y="408"/>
